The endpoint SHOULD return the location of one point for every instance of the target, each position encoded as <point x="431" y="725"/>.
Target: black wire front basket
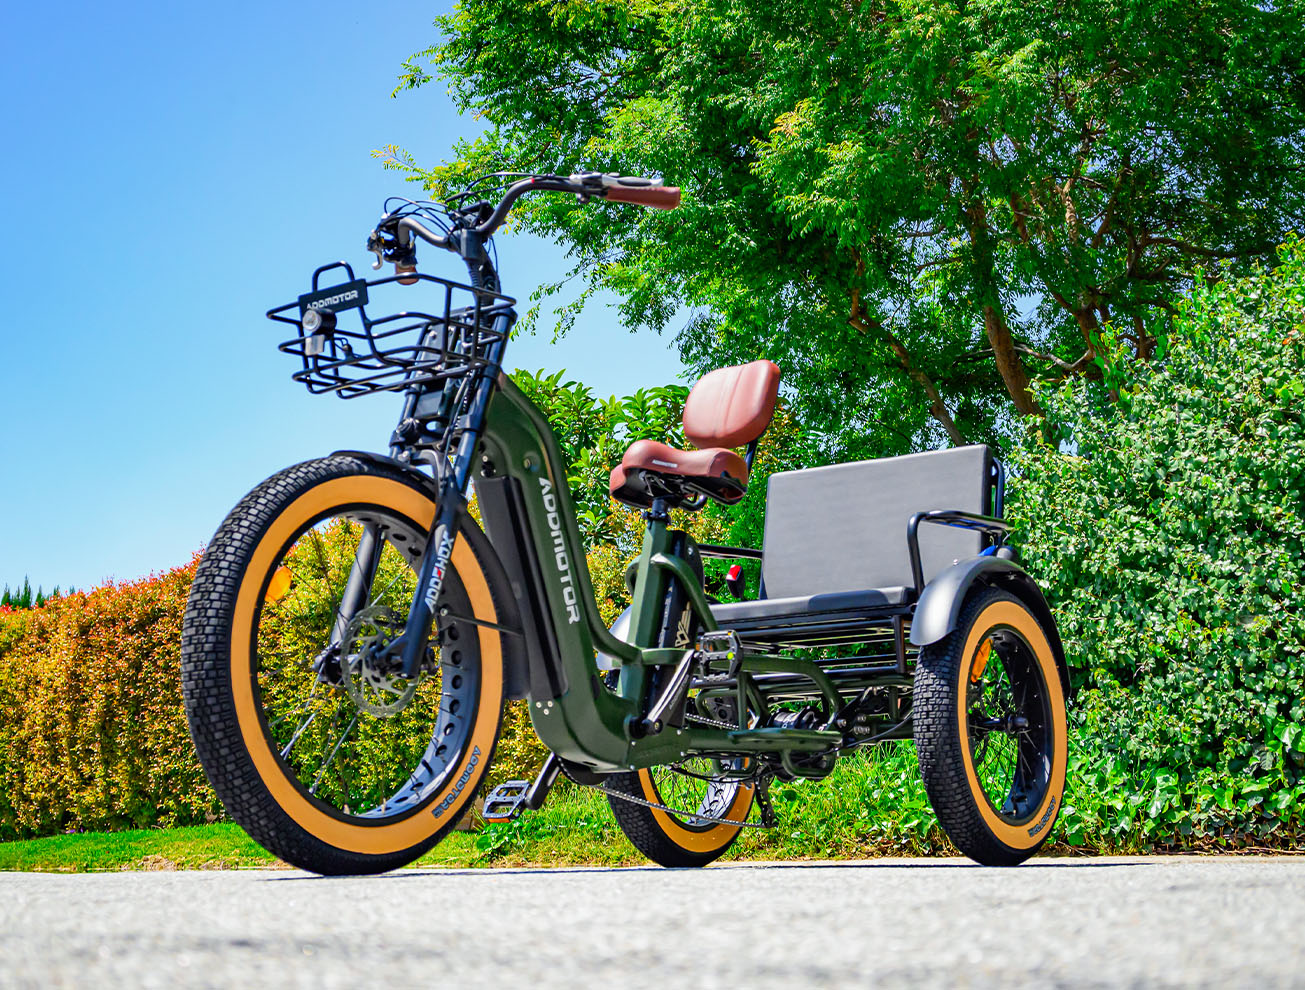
<point x="345" y="351"/>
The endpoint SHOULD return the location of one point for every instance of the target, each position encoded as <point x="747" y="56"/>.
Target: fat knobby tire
<point x="941" y="741"/>
<point x="207" y="679"/>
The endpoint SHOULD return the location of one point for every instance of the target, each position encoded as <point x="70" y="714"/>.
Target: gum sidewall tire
<point x="942" y="747"/>
<point x="219" y="676"/>
<point x="662" y="837"/>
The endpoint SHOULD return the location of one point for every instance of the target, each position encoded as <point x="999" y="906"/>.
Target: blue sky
<point x="170" y="171"/>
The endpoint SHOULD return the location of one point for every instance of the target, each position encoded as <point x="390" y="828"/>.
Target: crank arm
<point x="671" y="694"/>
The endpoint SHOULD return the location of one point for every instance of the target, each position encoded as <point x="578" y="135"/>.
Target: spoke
<point x="285" y="753"/>
<point x="381" y="594"/>
<point x="1023" y="762"/>
<point x="295" y="711"/>
<point x="344" y="781"/>
<point x="334" y="749"/>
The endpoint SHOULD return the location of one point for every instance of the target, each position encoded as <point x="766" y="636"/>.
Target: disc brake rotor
<point x="377" y="690"/>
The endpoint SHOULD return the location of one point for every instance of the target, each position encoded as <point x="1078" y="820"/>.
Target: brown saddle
<point x="729" y="407"/>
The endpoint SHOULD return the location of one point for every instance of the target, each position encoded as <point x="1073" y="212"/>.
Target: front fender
<point x="939" y="607"/>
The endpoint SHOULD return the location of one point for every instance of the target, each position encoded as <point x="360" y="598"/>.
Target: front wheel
<point x="315" y="744"/>
<point x="990" y="730"/>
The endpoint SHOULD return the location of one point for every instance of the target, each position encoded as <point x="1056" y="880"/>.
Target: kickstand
<point x="767" y="809"/>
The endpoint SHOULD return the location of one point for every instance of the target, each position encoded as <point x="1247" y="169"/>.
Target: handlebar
<point x="588" y="185"/>
<point x="658" y="197"/>
<point x="467" y="239"/>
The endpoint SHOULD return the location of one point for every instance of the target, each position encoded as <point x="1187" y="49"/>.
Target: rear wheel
<point x="990" y="730"/>
<point x="315" y="743"/>
<point x="699" y="791"/>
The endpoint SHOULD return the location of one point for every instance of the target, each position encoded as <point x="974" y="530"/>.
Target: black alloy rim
<point x="1009" y="727"/>
<point x="353" y="765"/>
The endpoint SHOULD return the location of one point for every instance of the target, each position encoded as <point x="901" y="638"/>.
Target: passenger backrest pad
<point x="843" y="528"/>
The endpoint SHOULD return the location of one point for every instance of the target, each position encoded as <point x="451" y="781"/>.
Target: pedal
<point x="720" y="646"/>
<point x="506" y="801"/>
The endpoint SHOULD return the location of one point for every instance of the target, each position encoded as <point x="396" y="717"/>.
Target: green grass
<point x="205" y="847"/>
<point x="873" y="804"/>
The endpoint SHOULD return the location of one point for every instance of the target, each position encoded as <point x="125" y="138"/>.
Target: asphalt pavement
<point x="1161" y="921"/>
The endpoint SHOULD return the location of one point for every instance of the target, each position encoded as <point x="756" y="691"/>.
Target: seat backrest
<point x="731" y="406"/>
<point x="843" y="528"/>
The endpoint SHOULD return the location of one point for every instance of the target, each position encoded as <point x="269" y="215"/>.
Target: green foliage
<point x="594" y="433"/>
<point x="1168" y="526"/>
<point x="913" y="207"/>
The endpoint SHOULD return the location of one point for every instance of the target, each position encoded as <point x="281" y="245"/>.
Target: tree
<point x="914" y="207"/>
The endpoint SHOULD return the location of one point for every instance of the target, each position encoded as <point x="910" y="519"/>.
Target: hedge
<point x="1167" y="523"/>
<point x="92" y="733"/>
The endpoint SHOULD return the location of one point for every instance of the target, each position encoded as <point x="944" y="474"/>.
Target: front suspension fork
<point x="430" y="581"/>
<point x="361" y="577"/>
<point x="453" y="476"/>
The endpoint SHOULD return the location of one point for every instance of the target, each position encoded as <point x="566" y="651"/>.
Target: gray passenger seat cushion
<point x="808" y="605"/>
<point x="843" y="528"/>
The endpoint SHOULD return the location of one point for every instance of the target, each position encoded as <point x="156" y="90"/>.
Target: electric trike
<point x="355" y="628"/>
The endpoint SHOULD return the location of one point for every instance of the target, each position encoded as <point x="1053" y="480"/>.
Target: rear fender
<point x="939" y="607"/>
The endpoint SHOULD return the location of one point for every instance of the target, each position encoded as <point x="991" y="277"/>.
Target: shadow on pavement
<point x="879" y="864"/>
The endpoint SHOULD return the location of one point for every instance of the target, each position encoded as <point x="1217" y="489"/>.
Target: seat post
<point x="649" y="581"/>
<point x="647" y="596"/>
<point x="657" y="513"/>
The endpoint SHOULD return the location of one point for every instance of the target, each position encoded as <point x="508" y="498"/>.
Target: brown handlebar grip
<point x="402" y="270"/>
<point x="658" y="197"/>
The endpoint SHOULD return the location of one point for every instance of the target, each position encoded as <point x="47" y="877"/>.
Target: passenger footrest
<point x="506" y="801"/>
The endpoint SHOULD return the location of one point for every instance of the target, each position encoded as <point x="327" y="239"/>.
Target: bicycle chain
<point x="691" y="815"/>
<point x="703" y="720"/>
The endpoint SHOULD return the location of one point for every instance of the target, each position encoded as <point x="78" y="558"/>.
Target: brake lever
<point x="387" y="246"/>
<point x="376" y="247"/>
